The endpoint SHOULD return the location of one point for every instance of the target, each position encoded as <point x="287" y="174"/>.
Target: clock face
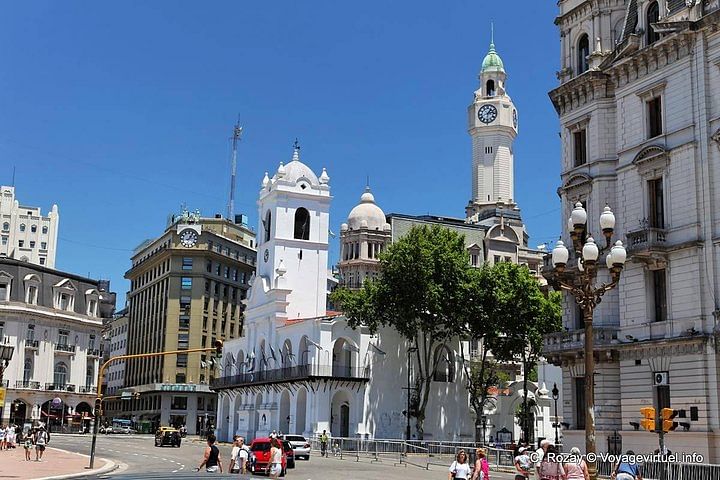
<point x="266" y="255"/>
<point x="188" y="238"/>
<point x="487" y="114"/>
<point x="515" y="118"/>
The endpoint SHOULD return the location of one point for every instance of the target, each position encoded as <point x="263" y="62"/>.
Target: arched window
<point x="6" y="227"/>
<point x="22" y="227"/>
<point x="28" y="370"/>
<point x="61" y="371"/>
<point x="266" y="224"/>
<point x="302" y="224"/>
<point x="444" y="365"/>
<point x="583" y="53"/>
<point x="490" y="88"/>
<point x="33" y="228"/>
<point x="89" y="376"/>
<point x="44" y="230"/>
<point x="653" y="16"/>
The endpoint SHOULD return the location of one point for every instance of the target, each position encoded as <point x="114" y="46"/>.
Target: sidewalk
<point x="55" y="464"/>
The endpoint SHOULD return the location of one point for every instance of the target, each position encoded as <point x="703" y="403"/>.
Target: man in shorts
<point x="41" y="439"/>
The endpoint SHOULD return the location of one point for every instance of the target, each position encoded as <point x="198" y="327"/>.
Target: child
<point x="28" y="446"/>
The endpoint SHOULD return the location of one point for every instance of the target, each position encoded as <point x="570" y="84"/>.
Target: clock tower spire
<point x="492" y="125"/>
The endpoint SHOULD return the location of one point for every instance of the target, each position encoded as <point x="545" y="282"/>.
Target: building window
<point x="488" y="150"/>
<point x="218" y="269"/>
<point x="302" y="224"/>
<point x="659" y="288"/>
<point x="43" y="245"/>
<point x="6" y="227"/>
<point x="4" y="240"/>
<point x="31" y="333"/>
<point x="187" y="263"/>
<point x="185" y="301"/>
<point x="490" y="88"/>
<point x="184" y="321"/>
<point x="235" y="275"/>
<point x="4" y="290"/>
<point x="580" y="147"/>
<point x="182" y="359"/>
<point x="178" y="403"/>
<point x="654" y="112"/>
<point x="63" y="337"/>
<point x="653" y="16"/>
<point x="42" y="260"/>
<point x="92" y="308"/>
<point x="28" y="370"/>
<point x="45" y="230"/>
<point x="91" y="342"/>
<point x="22" y="227"/>
<point x="227" y="272"/>
<point x="33" y="228"/>
<point x="583" y="54"/>
<point x="266" y="225"/>
<point x="21" y="243"/>
<point x="183" y="341"/>
<point x="60" y="374"/>
<point x="186" y="283"/>
<point x="579" y="403"/>
<point x="656" y="203"/>
<point x="208" y="266"/>
<point x="180" y="378"/>
<point x="32" y="244"/>
<point x="89" y="376"/>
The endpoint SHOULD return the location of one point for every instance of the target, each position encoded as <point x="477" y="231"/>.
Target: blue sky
<point x="121" y="112"/>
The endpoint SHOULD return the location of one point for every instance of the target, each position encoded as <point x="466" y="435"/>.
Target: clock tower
<point x="493" y="126"/>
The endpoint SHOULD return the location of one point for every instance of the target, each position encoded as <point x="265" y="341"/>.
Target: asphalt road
<point x="140" y="459"/>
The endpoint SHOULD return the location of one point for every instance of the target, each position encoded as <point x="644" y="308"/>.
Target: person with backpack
<point x="41" y="441"/>
<point x="482" y="467"/>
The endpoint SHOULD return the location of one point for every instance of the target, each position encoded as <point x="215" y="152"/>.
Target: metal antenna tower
<point x="237" y="132"/>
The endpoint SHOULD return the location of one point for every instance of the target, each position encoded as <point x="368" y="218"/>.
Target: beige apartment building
<point x="186" y="289"/>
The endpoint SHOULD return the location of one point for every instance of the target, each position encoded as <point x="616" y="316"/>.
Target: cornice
<point x="590" y="86"/>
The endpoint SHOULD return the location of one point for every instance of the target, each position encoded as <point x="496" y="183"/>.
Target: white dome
<point x="296" y="170"/>
<point x="367" y="214"/>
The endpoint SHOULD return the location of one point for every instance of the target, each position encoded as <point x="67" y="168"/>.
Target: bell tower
<point x="493" y="126"/>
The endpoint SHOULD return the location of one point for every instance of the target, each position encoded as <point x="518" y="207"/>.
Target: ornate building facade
<point x="640" y="122"/>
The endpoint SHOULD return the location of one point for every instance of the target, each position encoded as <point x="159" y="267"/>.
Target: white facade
<point x="25" y="234"/>
<point x="298" y="369"/>
<point x="118" y="334"/>
<point x="640" y="123"/>
<point x="53" y="321"/>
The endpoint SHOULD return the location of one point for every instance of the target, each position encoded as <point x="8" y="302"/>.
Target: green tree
<point x="421" y="292"/>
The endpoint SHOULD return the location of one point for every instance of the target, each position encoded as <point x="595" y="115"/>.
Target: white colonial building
<point x="25" y="234"/>
<point x="54" y="320"/>
<point x="301" y="369"/>
<point x="639" y="107"/>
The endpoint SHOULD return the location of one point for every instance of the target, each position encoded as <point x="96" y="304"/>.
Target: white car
<point x="301" y="446"/>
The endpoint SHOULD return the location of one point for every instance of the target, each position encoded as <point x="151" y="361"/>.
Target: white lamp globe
<point x="570" y="224"/>
<point x="580" y="265"/>
<point x="609" y="260"/>
<point x="578" y="215"/>
<point x="619" y="254"/>
<point x="590" y="251"/>
<point x="607" y="219"/>
<point x="560" y="254"/>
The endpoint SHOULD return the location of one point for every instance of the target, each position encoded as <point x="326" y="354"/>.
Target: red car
<point x="260" y="459"/>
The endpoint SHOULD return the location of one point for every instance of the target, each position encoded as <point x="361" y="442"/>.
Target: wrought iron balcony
<point x="32" y="344"/>
<point x="646" y="241"/>
<point x="27" y="384"/>
<point x="562" y="342"/>
<point x="93" y="352"/>
<point x="88" y="389"/>
<point x="298" y="373"/>
<point x="61" y="347"/>
<point x="60" y="387"/>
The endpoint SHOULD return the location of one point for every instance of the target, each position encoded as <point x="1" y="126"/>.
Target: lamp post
<point x="6" y="353"/>
<point x="580" y="279"/>
<point x="407" y="412"/>
<point x="555" y="396"/>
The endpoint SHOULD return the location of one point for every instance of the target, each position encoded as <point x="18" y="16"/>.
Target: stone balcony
<point x="574" y="340"/>
<point x="298" y="373"/>
<point x="32" y="344"/>
<point x="64" y="348"/>
<point x="27" y="385"/>
<point x="647" y="241"/>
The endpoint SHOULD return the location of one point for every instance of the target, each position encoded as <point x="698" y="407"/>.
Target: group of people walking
<point x="461" y="468"/>
<point x="36" y="439"/>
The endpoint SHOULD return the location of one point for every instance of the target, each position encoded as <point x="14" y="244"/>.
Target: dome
<point x="295" y="170"/>
<point x="367" y="214"/>
<point x="492" y="61"/>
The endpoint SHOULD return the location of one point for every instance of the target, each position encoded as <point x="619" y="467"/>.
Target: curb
<point x="108" y="467"/>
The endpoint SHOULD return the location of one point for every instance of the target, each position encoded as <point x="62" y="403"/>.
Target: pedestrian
<point x="460" y="468"/>
<point x="324" y="438"/>
<point x="626" y="468"/>
<point x="2" y="437"/>
<point x="211" y="459"/>
<point x="27" y="445"/>
<point x="575" y="467"/>
<point x="239" y="456"/>
<point x="276" y="453"/>
<point x="482" y="467"/>
<point x="41" y="440"/>
<point x="550" y="467"/>
<point x="540" y="454"/>
<point x="522" y="464"/>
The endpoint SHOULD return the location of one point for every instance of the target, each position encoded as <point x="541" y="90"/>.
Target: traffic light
<point x="668" y="414"/>
<point x="218" y="348"/>
<point x="98" y="407"/>
<point x="648" y="420"/>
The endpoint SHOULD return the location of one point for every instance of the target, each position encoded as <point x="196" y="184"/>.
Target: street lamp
<point x="407" y="412"/>
<point x="555" y="396"/>
<point x="581" y="283"/>
<point x="6" y="353"/>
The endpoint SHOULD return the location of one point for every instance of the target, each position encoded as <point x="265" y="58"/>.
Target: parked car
<point x="300" y="445"/>
<point x="260" y="456"/>
<point x="167" y="436"/>
<point x="289" y="453"/>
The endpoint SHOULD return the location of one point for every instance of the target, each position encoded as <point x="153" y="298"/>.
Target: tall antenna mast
<point x="237" y="132"/>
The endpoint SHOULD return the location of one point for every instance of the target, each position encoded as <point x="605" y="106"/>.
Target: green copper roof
<point x="492" y="62"/>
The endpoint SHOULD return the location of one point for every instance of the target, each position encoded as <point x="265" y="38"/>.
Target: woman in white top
<point x="460" y="468"/>
<point x="276" y="453"/>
